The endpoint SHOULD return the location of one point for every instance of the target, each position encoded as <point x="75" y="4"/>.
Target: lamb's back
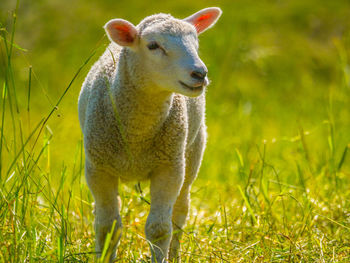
<point x="96" y="114"/>
<point x="97" y="81"/>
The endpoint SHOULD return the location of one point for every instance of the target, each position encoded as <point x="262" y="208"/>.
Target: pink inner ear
<point x="203" y="21"/>
<point x="124" y="33"/>
<point x="204" y="17"/>
<point x="121" y="32"/>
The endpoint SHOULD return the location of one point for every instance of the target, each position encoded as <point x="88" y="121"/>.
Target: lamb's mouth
<point x="197" y="88"/>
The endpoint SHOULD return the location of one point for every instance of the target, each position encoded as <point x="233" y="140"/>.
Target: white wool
<point x="139" y="125"/>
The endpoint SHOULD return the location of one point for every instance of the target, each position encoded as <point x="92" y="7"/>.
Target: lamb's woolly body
<point x="155" y="128"/>
<point x="134" y="131"/>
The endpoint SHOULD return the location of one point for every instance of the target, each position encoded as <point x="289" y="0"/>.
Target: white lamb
<point x="141" y="110"/>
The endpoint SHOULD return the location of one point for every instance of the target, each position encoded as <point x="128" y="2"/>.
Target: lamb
<point x="141" y="111"/>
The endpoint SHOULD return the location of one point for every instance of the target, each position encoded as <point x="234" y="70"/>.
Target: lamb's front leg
<point x="193" y="160"/>
<point x="104" y="189"/>
<point x="166" y="183"/>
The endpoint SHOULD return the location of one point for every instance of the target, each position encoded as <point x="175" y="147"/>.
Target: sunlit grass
<point x="274" y="184"/>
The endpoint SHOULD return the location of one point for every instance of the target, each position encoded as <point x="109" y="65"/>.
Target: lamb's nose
<point x="199" y="74"/>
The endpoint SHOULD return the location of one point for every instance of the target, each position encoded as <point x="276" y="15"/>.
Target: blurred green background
<point x="275" y="66"/>
<point x="279" y="93"/>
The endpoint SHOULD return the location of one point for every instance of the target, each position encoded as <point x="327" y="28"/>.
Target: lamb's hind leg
<point x="104" y="189"/>
<point x="181" y="207"/>
<point x="165" y="186"/>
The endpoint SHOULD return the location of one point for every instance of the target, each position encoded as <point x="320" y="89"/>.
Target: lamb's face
<point x="172" y="62"/>
<point x="167" y="49"/>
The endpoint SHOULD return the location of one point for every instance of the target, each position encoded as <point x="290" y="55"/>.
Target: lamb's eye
<point x="153" y="45"/>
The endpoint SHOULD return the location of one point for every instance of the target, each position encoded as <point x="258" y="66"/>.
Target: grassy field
<point x="275" y="181"/>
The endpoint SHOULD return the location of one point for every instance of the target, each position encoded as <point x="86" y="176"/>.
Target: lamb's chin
<point x="189" y="91"/>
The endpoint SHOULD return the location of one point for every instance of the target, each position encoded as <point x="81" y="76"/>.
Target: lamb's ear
<point x="204" y="19"/>
<point x="121" y="32"/>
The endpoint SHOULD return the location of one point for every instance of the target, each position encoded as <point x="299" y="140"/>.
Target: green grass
<point x="274" y="184"/>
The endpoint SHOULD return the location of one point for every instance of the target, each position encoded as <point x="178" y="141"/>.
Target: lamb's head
<point x="167" y="49"/>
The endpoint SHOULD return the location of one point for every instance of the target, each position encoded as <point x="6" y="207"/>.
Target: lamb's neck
<point x="142" y="108"/>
